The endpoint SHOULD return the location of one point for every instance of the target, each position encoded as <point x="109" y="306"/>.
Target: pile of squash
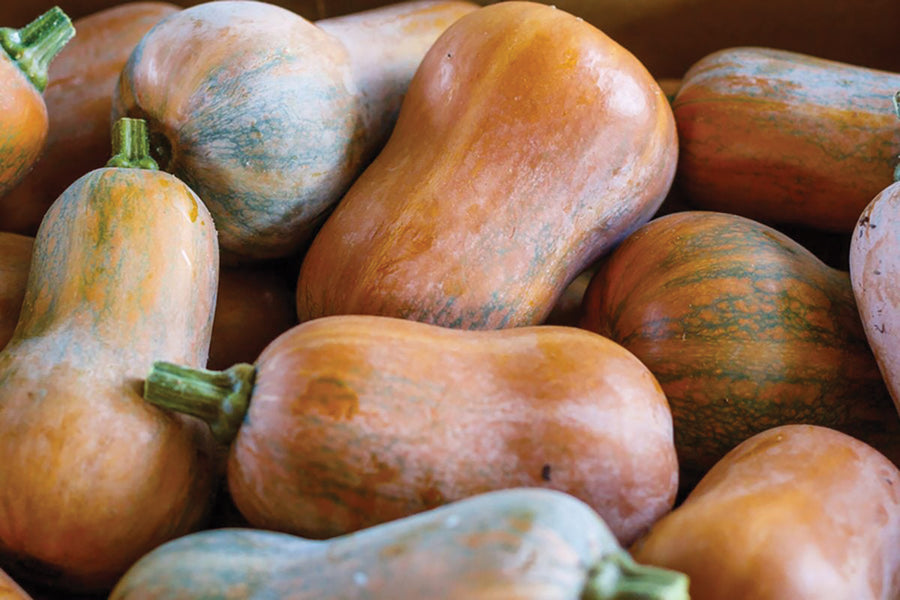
<point x="441" y="300"/>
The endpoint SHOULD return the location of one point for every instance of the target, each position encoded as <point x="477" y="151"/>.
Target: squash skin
<point x="528" y="144"/>
<point x="875" y="277"/>
<point x="474" y="548"/>
<point x="23" y="125"/>
<point x="744" y="329"/>
<point x="357" y="420"/>
<point x="124" y="271"/>
<point x="10" y="590"/>
<point x="796" y="512"/>
<point x="254" y="305"/>
<point x="282" y="87"/>
<point x="15" y="257"/>
<point x="782" y="137"/>
<point x="78" y="102"/>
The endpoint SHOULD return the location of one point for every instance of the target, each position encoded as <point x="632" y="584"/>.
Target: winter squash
<point x="518" y="543"/>
<point x="78" y="100"/>
<point x="261" y="113"/>
<point x="349" y="421"/>
<point x="24" y="60"/>
<point x="529" y="143"/>
<point x="15" y="257"/>
<point x="123" y="271"/>
<point x="875" y="277"/>
<point x="744" y="329"/>
<point x="254" y="305"/>
<point x="796" y="512"/>
<point x="783" y="137"/>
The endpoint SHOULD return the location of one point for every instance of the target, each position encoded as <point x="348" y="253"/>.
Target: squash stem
<point x="131" y="145"/>
<point x="220" y="398"/>
<point x="34" y="46"/>
<point x="618" y="577"/>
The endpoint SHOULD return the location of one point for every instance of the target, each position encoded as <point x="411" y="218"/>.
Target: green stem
<point x="220" y="398"/>
<point x="34" y="46"/>
<point x="131" y="145"/>
<point x="618" y="577"/>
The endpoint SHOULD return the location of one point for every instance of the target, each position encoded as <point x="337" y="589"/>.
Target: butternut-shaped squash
<point x="783" y="137"/>
<point x="796" y="512"/>
<point x="123" y="272"/>
<point x="744" y="329"/>
<point x="518" y="543"/>
<point x="25" y="56"/>
<point x="875" y="277"/>
<point x="78" y="100"/>
<point x="15" y="257"/>
<point x="349" y="421"/>
<point x="529" y="143"/>
<point x="261" y="113"/>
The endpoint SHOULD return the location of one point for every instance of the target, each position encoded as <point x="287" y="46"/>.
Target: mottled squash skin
<point x="797" y="512"/>
<point x="357" y="420"/>
<point x="744" y="329"/>
<point x="267" y="116"/>
<point x="15" y="257"/>
<point x="123" y="272"/>
<point x="78" y="100"/>
<point x="875" y="276"/>
<point x="521" y="543"/>
<point x="782" y="137"/>
<point x="529" y="143"/>
<point x="23" y="126"/>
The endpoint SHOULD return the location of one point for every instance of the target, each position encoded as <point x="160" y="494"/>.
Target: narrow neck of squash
<point x="34" y="46"/>
<point x="220" y="398"/>
<point x="131" y="145"/>
<point x="618" y="577"/>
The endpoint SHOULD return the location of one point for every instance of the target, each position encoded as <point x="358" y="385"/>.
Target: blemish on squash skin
<point x="331" y="397"/>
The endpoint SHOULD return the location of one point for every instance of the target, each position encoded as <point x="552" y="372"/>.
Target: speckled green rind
<point x="745" y="330"/>
<point x="255" y="109"/>
<point x="517" y="543"/>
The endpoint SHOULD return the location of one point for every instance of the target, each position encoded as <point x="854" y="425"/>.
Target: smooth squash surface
<point x="796" y="512"/>
<point x="528" y="144"/>
<point x="520" y="543"/>
<point x="25" y="56"/>
<point x="745" y="330"/>
<point x="123" y="272"/>
<point x="78" y="100"/>
<point x="875" y="276"/>
<point x="357" y="420"/>
<point x="15" y="258"/>
<point x="783" y="137"/>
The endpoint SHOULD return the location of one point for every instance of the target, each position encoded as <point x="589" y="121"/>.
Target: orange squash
<point x="744" y="329"/>
<point x="15" y="257"/>
<point x="25" y="56"/>
<point x="783" y="137"/>
<point x="797" y="512"/>
<point x="254" y="305"/>
<point x="263" y="114"/>
<point x="529" y="143"/>
<point x="78" y="100"/>
<point x="519" y="543"/>
<point x="123" y="272"/>
<point x="357" y="420"/>
<point x="875" y="276"/>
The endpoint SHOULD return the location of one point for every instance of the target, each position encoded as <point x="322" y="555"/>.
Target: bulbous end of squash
<point x="617" y="577"/>
<point x="220" y="398"/>
<point x="131" y="145"/>
<point x="34" y="46"/>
